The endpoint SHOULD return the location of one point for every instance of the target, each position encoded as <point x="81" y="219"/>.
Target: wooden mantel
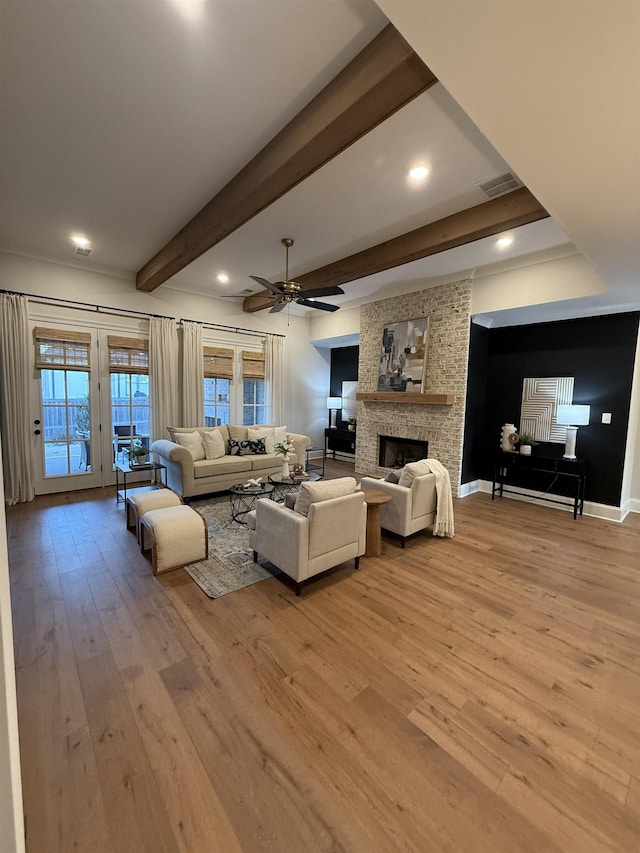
<point x="401" y="397"/>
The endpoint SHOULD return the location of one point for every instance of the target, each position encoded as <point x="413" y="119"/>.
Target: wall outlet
<point x="606" y="417"/>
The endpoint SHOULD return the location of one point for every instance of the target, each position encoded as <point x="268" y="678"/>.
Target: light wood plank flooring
<point x="475" y="694"/>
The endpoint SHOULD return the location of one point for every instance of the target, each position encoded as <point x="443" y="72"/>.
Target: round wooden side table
<point x="374" y="498"/>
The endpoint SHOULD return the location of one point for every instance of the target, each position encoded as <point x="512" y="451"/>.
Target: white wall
<point x="538" y="284"/>
<point x="11" y="817"/>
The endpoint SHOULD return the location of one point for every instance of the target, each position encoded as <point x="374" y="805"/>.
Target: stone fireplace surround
<point x="449" y="307"/>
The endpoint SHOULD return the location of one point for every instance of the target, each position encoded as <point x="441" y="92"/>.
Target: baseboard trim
<point x="595" y="510"/>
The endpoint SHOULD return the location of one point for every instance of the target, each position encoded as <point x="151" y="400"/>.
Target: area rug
<point x="230" y="564"/>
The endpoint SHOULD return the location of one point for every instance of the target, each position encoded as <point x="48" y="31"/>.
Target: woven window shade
<point x="62" y="348"/>
<point x="218" y="362"/>
<point x="252" y="365"/>
<point x="128" y="355"/>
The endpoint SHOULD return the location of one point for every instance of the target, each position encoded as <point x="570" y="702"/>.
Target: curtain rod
<point x="47" y="300"/>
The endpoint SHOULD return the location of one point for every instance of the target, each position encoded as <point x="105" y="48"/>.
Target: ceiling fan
<point x="288" y="292"/>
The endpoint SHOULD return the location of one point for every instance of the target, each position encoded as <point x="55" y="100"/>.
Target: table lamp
<point x="333" y="404"/>
<point x="573" y="416"/>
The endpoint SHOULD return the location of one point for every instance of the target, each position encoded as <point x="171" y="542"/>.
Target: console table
<point x="340" y="441"/>
<point x="569" y="471"/>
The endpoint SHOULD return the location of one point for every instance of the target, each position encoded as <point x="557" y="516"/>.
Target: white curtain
<point x="274" y="375"/>
<point x="15" y="418"/>
<point x="192" y="375"/>
<point x="163" y="376"/>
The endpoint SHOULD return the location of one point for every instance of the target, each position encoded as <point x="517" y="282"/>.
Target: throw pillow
<point x="412" y="470"/>
<point x="392" y="477"/>
<point x="193" y="442"/>
<point x="310" y="493"/>
<point x="214" y="445"/>
<point x="247" y="448"/>
<point x="268" y="433"/>
<point x="279" y="435"/>
<point x="237" y="433"/>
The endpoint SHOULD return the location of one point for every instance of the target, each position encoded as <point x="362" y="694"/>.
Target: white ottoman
<point x="176" y="535"/>
<point x="140" y="502"/>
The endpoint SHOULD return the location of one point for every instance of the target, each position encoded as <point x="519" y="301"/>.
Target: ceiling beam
<point x="258" y="302"/>
<point x="384" y="77"/>
<point x="492" y="217"/>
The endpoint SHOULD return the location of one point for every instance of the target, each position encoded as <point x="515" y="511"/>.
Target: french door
<point x="66" y="421"/>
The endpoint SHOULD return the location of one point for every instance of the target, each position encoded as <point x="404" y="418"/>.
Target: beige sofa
<point x="191" y="473"/>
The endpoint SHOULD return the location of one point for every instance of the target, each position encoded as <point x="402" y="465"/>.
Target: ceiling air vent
<point x="82" y="251"/>
<point x="500" y="185"/>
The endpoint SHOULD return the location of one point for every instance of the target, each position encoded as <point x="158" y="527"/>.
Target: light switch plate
<point x="606" y="417"/>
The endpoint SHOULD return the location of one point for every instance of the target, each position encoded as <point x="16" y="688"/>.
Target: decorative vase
<point x="285" y="467"/>
<point x="507" y="441"/>
<point x="525" y="450"/>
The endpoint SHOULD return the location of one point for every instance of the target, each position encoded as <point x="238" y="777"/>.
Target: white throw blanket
<point x="444" y="500"/>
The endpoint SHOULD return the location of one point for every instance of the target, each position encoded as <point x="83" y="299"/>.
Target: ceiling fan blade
<point x="323" y="291"/>
<point x="267" y="284"/>
<point x="277" y="307"/>
<point x="321" y="305"/>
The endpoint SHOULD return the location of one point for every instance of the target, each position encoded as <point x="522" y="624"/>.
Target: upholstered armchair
<point x="326" y="527"/>
<point x="412" y="507"/>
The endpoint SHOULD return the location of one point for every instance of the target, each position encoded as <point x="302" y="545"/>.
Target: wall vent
<point x="82" y="251"/>
<point x="500" y="185"/>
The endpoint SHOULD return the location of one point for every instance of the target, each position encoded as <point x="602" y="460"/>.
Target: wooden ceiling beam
<point x="492" y="217"/>
<point x="384" y="77"/>
<point x="258" y="302"/>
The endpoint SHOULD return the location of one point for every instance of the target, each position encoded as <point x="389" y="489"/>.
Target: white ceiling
<point x="120" y="120"/>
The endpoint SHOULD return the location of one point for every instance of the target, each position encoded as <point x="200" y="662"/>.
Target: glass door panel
<point x="65" y="432"/>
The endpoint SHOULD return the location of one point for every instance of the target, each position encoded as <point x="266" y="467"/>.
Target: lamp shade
<point x="334" y="402"/>
<point x="573" y="415"/>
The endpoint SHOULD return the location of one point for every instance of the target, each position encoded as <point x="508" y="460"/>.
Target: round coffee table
<point x="374" y="498"/>
<point x="283" y="485"/>
<point x="243" y="500"/>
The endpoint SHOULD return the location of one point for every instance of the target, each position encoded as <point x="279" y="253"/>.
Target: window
<point x="218" y="373"/>
<point x="129" y="372"/>
<point x="254" y="406"/>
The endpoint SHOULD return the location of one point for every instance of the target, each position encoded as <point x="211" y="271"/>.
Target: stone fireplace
<point x="438" y="426"/>
<point x="396" y="452"/>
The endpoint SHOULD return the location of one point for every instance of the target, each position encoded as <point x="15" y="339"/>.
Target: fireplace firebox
<point x="396" y="452"/>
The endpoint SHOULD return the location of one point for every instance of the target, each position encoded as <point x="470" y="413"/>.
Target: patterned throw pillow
<point x="247" y="448"/>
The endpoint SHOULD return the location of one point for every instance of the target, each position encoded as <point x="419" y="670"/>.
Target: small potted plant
<point x="138" y="452"/>
<point x="351" y="424"/>
<point x="526" y="442"/>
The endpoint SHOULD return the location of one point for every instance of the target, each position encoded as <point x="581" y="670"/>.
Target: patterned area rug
<point x="230" y="565"/>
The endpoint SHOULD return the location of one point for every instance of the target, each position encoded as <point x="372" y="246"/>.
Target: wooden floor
<point x="475" y="694"/>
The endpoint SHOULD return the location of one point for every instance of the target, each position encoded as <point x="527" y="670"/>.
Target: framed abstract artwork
<point x="403" y="356"/>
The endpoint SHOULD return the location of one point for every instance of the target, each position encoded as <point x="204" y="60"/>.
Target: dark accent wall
<point x="598" y="352"/>
<point x="344" y="368"/>
<point x="474" y="409"/>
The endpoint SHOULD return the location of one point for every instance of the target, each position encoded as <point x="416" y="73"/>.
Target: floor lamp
<point x="333" y="404"/>
<point x="573" y="417"/>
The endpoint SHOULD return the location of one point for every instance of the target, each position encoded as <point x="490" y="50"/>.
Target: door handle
<point x="36" y="422"/>
<point x="36" y="432"/>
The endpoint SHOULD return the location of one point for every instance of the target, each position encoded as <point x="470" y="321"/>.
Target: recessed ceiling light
<point x="504" y="242"/>
<point x="81" y="241"/>
<point x="223" y="278"/>
<point x="418" y="173"/>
